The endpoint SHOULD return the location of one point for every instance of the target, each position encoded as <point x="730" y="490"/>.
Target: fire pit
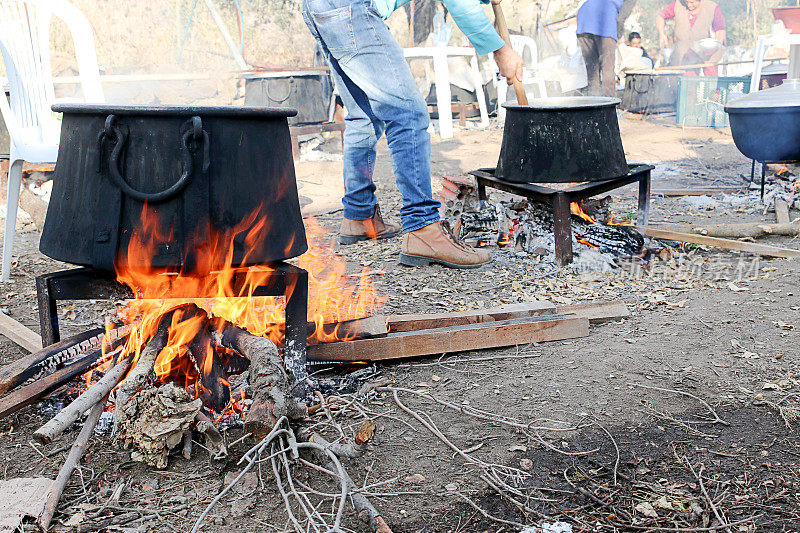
<point x="560" y="200"/>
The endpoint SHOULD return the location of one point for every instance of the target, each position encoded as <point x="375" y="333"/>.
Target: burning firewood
<point x="269" y="380"/>
<point x="56" y="356"/>
<point x="144" y="366"/>
<point x="100" y="390"/>
<point x="617" y="240"/>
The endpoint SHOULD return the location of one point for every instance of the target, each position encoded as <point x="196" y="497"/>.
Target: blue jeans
<point x="379" y="94"/>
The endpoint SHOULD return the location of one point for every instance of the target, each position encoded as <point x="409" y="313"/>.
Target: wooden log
<point x="453" y="339"/>
<point x="782" y="211"/>
<point x="137" y="377"/>
<point x="72" y="412"/>
<point x="22" y="397"/>
<point x="416" y="322"/>
<point x="596" y="312"/>
<point x="759" y="249"/>
<point x="699" y="191"/>
<point x="56" y="356"/>
<point x="268" y="378"/>
<point x="74" y="456"/>
<point x="744" y="230"/>
<point x="19" y="333"/>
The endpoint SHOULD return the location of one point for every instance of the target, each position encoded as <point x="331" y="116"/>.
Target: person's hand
<point x="663" y="42"/>
<point x="509" y="62"/>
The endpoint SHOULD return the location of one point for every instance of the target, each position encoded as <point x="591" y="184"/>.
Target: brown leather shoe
<point x="435" y="244"/>
<point x="353" y="231"/>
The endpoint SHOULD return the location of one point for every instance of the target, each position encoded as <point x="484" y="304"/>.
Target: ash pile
<point x="523" y="230"/>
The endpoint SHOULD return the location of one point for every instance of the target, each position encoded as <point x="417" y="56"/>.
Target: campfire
<point x="527" y="227"/>
<point x="200" y="362"/>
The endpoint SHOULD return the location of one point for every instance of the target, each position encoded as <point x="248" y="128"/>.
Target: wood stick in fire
<point x="268" y="378"/>
<point x="140" y="373"/>
<point x="69" y="414"/>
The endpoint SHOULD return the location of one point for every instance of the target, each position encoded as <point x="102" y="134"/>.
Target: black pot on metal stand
<point x="766" y="124"/>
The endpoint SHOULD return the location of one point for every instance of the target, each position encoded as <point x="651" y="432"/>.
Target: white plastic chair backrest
<point x="520" y="43"/>
<point x="25" y="47"/>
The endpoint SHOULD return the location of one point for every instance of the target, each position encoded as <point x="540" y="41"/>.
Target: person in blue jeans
<point x="380" y="96"/>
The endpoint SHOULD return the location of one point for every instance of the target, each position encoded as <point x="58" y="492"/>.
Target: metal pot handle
<point x="193" y="136"/>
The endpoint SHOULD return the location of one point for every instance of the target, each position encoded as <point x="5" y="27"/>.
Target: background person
<point x="694" y="20"/>
<point x="635" y="41"/>
<point x="597" y="38"/>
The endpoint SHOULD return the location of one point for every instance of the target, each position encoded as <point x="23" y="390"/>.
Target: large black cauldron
<point x="196" y="168"/>
<point x="562" y="140"/>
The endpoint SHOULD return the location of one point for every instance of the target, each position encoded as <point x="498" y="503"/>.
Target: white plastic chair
<point x="33" y="128"/>
<point x="526" y="47"/>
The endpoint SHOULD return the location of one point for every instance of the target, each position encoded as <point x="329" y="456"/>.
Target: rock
<point x="415" y="478"/>
<point x="451" y="487"/>
<point x="525" y="464"/>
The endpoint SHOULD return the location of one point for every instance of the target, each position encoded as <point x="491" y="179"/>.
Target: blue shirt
<point x="599" y="17"/>
<point x="467" y="14"/>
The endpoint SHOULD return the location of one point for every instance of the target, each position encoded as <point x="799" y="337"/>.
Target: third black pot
<point x="196" y="168"/>
<point x="565" y="139"/>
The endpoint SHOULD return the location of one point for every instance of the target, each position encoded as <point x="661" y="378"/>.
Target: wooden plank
<point x="453" y="339"/>
<point x="13" y="402"/>
<point x="782" y="211"/>
<point x="701" y="191"/>
<point x="596" y="312"/>
<point x="19" y="333"/>
<point x="414" y="322"/>
<point x="728" y="244"/>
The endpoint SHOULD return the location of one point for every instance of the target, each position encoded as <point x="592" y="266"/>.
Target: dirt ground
<point x="679" y="418"/>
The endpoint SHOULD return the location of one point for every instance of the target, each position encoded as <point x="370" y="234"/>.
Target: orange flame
<point x="333" y="295"/>
<point x="577" y="210"/>
<point x="625" y="222"/>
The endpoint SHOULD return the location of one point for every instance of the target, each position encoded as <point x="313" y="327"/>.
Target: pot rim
<point x="177" y="111"/>
<point x="565" y="103"/>
<point x="771" y="110"/>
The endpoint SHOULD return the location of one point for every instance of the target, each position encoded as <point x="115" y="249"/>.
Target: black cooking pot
<point x="562" y="140"/>
<point x="765" y="125"/>
<point x="196" y="168"/>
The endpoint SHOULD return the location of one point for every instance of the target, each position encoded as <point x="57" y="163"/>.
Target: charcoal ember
<point x="214" y="389"/>
<point x="616" y="240"/>
<point x="234" y="363"/>
<point x="342" y="380"/>
<point x="485" y="220"/>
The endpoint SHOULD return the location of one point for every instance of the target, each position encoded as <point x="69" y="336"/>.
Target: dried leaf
<point x="365" y="432"/>
<point x="646" y="509"/>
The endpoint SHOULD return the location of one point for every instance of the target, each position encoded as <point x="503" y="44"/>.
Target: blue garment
<point x="468" y="16"/>
<point x="379" y="94"/>
<point x="599" y="17"/>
